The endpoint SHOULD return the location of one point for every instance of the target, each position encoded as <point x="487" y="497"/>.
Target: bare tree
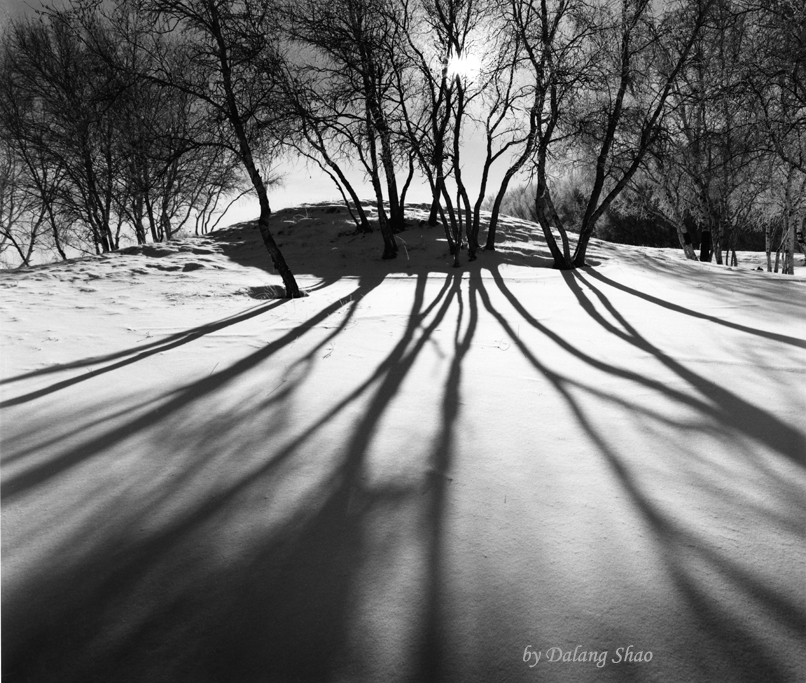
<point x="707" y="164"/>
<point x="21" y="215"/>
<point x="605" y="74"/>
<point x="233" y="61"/>
<point x="327" y="132"/>
<point x="468" y="59"/>
<point x="105" y="148"/>
<point x="349" y="76"/>
<point x="777" y="73"/>
<point x="29" y="182"/>
<point x="63" y="106"/>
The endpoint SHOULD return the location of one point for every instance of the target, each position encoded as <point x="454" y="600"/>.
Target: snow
<point x="413" y="474"/>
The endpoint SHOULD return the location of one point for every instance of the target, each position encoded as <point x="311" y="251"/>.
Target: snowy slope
<point x="417" y="473"/>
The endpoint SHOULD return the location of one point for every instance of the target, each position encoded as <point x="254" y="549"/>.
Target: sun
<point x="465" y="66"/>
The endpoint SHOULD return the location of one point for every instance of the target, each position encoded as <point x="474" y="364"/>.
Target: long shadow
<point x="729" y="409"/>
<point x="352" y="301"/>
<point x="733" y="411"/>
<point x="328" y="549"/>
<point x="680" y="547"/>
<point x="241" y="243"/>
<point x="784" y="339"/>
<point x="128" y="356"/>
<point x="135" y="353"/>
<point x="281" y="612"/>
<point x="177" y="400"/>
<point x="715" y="617"/>
<point x="245" y="242"/>
<point x="166" y="604"/>
<point x="435" y="628"/>
<point x="734" y="635"/>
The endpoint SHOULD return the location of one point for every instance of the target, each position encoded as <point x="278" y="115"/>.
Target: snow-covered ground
<point x="417" y="473"/>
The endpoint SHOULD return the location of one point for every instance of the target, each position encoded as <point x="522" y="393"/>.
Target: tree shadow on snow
<point x="782" y="338"/>
<point x="241" y="551"/>
<point x="740" y="647"/>
<point x="140" y="592"/>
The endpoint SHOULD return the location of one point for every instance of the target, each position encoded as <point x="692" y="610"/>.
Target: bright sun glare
<point x="465" y="66"/>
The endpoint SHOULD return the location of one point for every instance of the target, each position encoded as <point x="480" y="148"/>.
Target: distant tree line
<point x="143" y="116"/>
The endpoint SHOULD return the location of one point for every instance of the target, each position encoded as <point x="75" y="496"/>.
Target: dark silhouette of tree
<point x="232" y="68"/>
<point x="105" y="147"/>
<point x="707" y="164"/>
<point x="350" y="71"/>
<point x="776" y="70"/>
<point x="29" y="183"/>
<point x="327" y="132"/>
<point x="605" y="74"/>
<point x="64" y="105"/>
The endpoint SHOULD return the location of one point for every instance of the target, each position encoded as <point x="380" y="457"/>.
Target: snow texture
<point x="416" y="473"/>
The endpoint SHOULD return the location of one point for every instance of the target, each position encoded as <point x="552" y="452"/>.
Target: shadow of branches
<point x="288" y="519"/>
<point x="727" y="625"/>
<point x="141" y="591"/>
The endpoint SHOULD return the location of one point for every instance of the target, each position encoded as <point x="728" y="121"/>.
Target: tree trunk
<point x="499" y="199"/>
<point x="406" y="185"/>
<point x="165" y="222"/>
<point x="233" y="112"/>
<point x="492" y="229"/>
<point x="389" y="244"/>
<point x="789" y="258"/>
<point x="546" y="214"/>
<point x="705" y="246"/>
<point x="362" y="223"/>
<point x="55" y="231"/>
<point x="452" y="225"/>
<point x="685" y="241"/>
<point x="435" y="207"/>
<point x="778" y="256"/>
<point x="433" y="213"/>
<point x="462" y="199"/>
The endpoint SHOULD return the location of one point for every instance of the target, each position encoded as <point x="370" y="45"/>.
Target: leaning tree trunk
<point x="292" y="290"/>
<point x="546" y="217"/>
<point x="54" y="228"/>
<point x="236" y="120"/>
<point x="492" y="228"/>
<point x="316" y="140"/>
<point x="685" y="241"/>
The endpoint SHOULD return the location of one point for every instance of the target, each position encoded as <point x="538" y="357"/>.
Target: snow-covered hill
<point x="417" y="473"/>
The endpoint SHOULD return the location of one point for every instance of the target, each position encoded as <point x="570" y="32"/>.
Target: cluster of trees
<point x="724" y="155"/>
<point x="142" y="114"/>
<point x="91" y="145"/>
<point x="732" y="149"/>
